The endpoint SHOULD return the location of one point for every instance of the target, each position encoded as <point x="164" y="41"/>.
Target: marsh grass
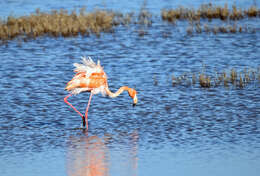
<point x="204" y="80"/>
<point x="252" y="12"/>
<point x="226" y="78"/>
<point x="229" y="29"/>
<point x="66" y="24"/>
<point x="233" y="76"/>
<point x="57" y="23"/>
<point x="144" y="16"/>
<point x="61" y="23"/>
<point x="209" y="11"/>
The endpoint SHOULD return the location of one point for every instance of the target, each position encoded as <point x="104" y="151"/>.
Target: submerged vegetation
<point x="226" y="78"/>
<point x="63" y="23"/>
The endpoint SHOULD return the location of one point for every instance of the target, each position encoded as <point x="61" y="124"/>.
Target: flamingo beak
<point x="135" y="100"/>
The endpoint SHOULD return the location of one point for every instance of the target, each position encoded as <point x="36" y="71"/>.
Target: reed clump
<point x="228" y="78"/>
<point x="63" y="23"/>
<point x="252" y="12"/>
<point x="233" y="76"/>
<point x="180" y="13"/>
<point x="218" y="29"/>
<point x="57" y="23"/>
<point x="204" y="80"/>
<point x="179" y="80"/>
<point x="236" y="14"/>
<point x="209" y="11"/>
<point x="144" y="17"/>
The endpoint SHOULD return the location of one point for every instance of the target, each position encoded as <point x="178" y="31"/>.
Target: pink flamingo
<point x="91" y="77"/>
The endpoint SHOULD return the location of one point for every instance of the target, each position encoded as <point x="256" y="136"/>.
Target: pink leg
<point x="66" y="101"/>
<point x="86" y="113"/>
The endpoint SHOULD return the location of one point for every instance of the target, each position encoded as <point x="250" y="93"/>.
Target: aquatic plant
<point x="57" y="23"/>
<point x="252" y="12"/>
<point x="233" y="76"/>
<point x="225" y="78"/>
<point x="80" y="22"/>
<point x="204" y="80"/>
<point x="208" y="11"/>
<point x="144" y="16"/>
<point x="62" y="23"/>
<point x="218" y="29"/>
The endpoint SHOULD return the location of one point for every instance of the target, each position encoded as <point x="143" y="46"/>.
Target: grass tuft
<point x="208" y="11"/>
<point x="229" y="78"/>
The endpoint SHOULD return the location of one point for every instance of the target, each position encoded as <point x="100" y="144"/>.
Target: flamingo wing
<point x="89" y="77"/>
<point x="88" y="66"/>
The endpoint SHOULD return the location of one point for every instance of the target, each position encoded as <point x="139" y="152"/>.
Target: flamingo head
<point x="133" y="94"/>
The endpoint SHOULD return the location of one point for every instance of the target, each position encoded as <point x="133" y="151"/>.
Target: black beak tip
<point x="134" y="104"/>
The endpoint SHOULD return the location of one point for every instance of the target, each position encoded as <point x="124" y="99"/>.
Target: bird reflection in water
<point x="89" y="156"/>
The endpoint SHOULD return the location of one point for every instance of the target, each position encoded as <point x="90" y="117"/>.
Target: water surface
<point x="180" y="130"/>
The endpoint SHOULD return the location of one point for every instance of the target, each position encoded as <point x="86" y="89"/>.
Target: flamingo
<point x="90" y="77"/>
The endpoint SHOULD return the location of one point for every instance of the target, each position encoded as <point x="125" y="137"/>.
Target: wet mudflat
<point x="179" y="126"/>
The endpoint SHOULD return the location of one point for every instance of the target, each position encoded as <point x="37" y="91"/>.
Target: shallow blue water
<point x="180" y="130"/>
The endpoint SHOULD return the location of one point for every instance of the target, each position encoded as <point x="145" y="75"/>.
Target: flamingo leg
<point x="86" y="113"/>
<point x="83" y="118"/>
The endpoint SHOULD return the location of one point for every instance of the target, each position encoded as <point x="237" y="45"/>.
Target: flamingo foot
<point x="83" y="122"/>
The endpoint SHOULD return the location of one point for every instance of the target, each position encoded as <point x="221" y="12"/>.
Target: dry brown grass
<point x="205" y="81"/>
<point x="209" y="11"/>
<point x="144" y="17"/>
<point x="59" y="23"/>
<point x="63" y="23"/>
<point x="180" y="13"/>
<point x="233" y="76"/>
<point x="234" y="28"/>
<point x="227" y="78"/>
<point x="252" y="12"/>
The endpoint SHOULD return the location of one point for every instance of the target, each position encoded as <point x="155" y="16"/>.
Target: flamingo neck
<point x="118" y="92"/>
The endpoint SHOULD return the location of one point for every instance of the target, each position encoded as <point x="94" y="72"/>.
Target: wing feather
<point x="88" y="66"/>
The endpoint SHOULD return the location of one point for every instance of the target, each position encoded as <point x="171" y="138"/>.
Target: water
<point x="181" y="130"/>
